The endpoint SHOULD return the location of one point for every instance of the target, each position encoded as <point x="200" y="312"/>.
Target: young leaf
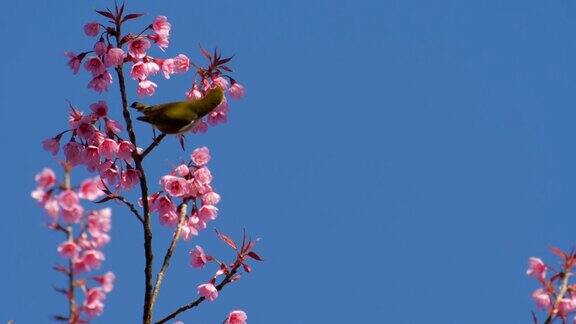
<point x="227" y="240"/>
<point x="254" y="256"/>
<point x="131" y="16"/>
<point x="105" y="14"/>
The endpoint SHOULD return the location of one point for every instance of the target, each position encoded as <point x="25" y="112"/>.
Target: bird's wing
<point x="170" y="118"/>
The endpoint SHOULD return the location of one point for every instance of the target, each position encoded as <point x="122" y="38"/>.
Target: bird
<point x="181" y="116"/>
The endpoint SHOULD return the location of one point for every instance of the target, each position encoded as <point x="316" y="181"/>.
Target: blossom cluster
<point x="134" y="49"/>
<point x="556" y="296"/>
<point x="96" y="144"/>
<point x="189" y="182"/>
<point x="87" y="232"/>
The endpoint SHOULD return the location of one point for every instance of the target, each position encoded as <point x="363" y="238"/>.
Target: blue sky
<point x="400" y="160"/>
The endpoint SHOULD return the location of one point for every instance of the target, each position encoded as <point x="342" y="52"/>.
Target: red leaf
<point x="246" y="268"/>
<point x="226" y="60"/>
<point x="254" y="256"/>
<point x="131" y="16"/>
<point x="225" y="68"/>
<point x="106" y="14"/>
<point x="227" y="240"/>
<point x="205" y="53"/>
<point x="558" y="252"/>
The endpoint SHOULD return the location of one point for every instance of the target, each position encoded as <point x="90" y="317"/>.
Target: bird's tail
<point x="139" y="106"/>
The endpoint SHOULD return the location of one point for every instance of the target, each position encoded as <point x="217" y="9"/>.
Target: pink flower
<point x="220" y="114"/>
<point x="91" y="28"/>
<point x="169" y="218"/>
<point x="74" y="62"/>
<point x="221" y="82"/>
<point x="237" y="91"/>
<point x="210" y="198"/>
<point x="96" y="138"/>
<point x="141" y="70"/>
<point x="162" y="40"/>
<point x="113" y="126"/>
<point x="129" y="178"/>
<point x="182" y="170"/>
<point x="200" y="156"/>
<point x="194" y="93"/>
<point x="163" y="204"/>
<point x="52" y="208"/>
<point x="51" y="145"/>
<point x="100" y="48"/>
<point x="100" y="222"/>
<point x="175" y="186"/>
<point x="168" y="67"/>
<point x="198" y="258"/>
<point x="91" y="158"/>
<point x="72" y="214"/>
<point x="236" y="317"/>
<point x="138" y="71"/>
<point x="207" y="212"/>
<point x="68" y="249"/>
<point x="100" y="83"/>
<point x="200" y="127"/>
<point x="566" y="306"/>
<point x="196" y="222"/>
<point x="541" y="298"/>
<point x="46" y="178"/>
<point x="181" y="63"/>
<point x="76" y="118"/>
<point x="188" y="230"/>
<point x="138" y="47"/>
<point x="99" y="108"/>
<point x="73" y="153"/>
<point x="100" y="240"/>
<point x="85" y="130"/>
<point x="161" y="25"/>
<point x="108" y="148"/>
<point x="106" y="281"/>
<point x="203" y="176"/>
<point x="536" y="268"/>
<point x="114" y="57"/>
<point x="92" y="259"/>
<point x="146" y="87"/>
<point x="95" y="66"/>
<point x="89" y="189"/>
<point x="39" y="195"/>
<point x="93" y="305"/>
<point x="208" y="291"/>
<point x="68" y="199"/>
<point x="125" y="150"/>
<point x="108" y="172"/>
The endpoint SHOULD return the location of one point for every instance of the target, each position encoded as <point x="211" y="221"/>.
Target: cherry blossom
<point x="208" y="291"/>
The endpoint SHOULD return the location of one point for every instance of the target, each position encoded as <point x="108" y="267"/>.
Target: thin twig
<point x="183" y="210"/>
<point x="561" y="293"/>
<point x="199" y="300"/>
<point x="130" y="205"/>
<point x="152" y="145"/>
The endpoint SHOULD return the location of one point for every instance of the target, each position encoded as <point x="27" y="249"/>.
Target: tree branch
<point x="183" y="210"/>
<point x="199" y="300"/>
<point x="152" y="145"/>
<point x="149" y="255"/>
